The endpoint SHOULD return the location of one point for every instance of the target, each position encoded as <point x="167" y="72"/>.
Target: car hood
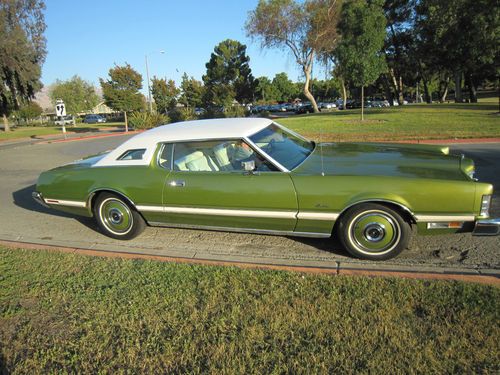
<point x="377" y="159"/>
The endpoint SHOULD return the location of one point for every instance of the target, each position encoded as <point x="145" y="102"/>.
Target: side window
<point x="132" y="154"/>
<point x="165" y="156"/>
<point x="215" y="156"/>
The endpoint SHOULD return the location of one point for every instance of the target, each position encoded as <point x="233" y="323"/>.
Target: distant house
<point x="102" y="108"/>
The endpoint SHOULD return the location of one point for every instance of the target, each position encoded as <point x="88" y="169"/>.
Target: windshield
<point x="283" y="146"/>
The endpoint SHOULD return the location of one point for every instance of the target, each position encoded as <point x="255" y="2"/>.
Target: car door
<point x="209" y="187"/>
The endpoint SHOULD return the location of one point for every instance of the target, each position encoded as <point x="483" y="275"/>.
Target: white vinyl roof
<point x="226" y="128"/>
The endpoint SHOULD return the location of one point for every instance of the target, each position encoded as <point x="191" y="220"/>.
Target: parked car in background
<point x="324" y="105"/>
<point x="94" y="119"/>
<point x="254" y="175"/>
<point x="65" y="120"/>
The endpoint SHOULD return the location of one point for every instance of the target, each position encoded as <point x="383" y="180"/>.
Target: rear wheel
<point x="116" y="218"/>
<point x="373" y="232"/>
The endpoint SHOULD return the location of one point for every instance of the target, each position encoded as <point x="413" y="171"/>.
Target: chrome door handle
<point x="177" y="183"/>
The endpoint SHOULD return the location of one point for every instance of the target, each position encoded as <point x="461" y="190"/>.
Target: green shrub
<point x="182" y="114"/>
<point x="146" y="120"/>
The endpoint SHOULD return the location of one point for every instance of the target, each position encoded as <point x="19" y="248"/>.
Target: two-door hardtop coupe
<point x="254" y="175"/>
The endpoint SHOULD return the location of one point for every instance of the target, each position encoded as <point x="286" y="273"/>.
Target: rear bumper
<point x="489" y="227"/>
<point x="39" y="199"/>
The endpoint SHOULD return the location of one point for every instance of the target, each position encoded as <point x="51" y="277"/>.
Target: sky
<point x="88" y="37"/>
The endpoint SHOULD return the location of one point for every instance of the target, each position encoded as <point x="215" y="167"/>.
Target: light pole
<point x="149" y="84"/>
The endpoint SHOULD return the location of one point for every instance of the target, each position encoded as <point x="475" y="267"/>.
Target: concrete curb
<point x="489" y="277"/>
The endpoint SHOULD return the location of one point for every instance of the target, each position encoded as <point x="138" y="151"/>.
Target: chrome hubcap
<point x="374" y="232"/>
<point x="116" y="216"/>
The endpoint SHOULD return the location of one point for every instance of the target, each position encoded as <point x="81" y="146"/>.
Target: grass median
<point x="411" y="122"/>
<point x="72" y="313"/>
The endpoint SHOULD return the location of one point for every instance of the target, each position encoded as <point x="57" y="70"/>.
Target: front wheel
<point x="373" y="232"/>
<point x="116" y="218"/>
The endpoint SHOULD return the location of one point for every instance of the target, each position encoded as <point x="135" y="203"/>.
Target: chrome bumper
<point x="490" y="227"/>
<point x="39" y="199"/>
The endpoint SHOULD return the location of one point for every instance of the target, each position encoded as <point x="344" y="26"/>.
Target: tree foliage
<point x="121" y="90"/>
<point x="460" y="36"/>
<point x="22" y="52"/>
<point x="29" y="111"/>
<point x="165" y="94"/>
<point x="304" y="28"/>
<point x="285" y="88"/>
<point x="363" y="33"/>
<point x="228" y="76"/>
<point x="78" y="95"/>
<point x="191" y="92"/>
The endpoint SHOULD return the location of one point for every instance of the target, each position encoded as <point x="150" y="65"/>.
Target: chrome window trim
<point x="162" y="145"/>
<point x="252" y="145"/>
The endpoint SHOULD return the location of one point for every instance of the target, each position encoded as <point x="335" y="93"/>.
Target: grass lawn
<point x="71" y="313"/>
<point x="411" y="122"/>
<point x="37" y="131"/>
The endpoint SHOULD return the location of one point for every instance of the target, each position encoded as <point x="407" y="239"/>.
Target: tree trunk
<point x="401" y="98"/>
<point x="307" y="72"/>
<point x="387" y="89"/>
<point x="344" y="93"/>
<point x="395" y="86"/>
<point x="428" y="98"/>
<point x="126" y="121"/>
<point x="472" y="89"/>
<point x="445" y="90"/>
<point x="458" y="87"/>
<point x="6" y="126"/>
<point x="362" y="103"/>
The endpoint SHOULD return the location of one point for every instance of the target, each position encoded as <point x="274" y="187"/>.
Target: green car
<point x="254" y="175"/>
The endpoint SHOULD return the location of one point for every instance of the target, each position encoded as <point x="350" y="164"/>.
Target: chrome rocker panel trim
<point x="243" y="230"/>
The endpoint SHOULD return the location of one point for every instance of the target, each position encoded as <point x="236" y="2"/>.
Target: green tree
<point x="165" y="94"/>
<point x="265" y="92"/>
<point x="121" y="90"/>
<point x="304" y="28"/>
<point x="228" y="76"/>
<point x="362" y="38"/>
<point x="399" y="47"/>
<point x="22" y="53"/>
<point x="29" y="111"/>
<point x="191" y="92"/>
<point x="284" y="87"/>
<point x="78" y="95"/>
<point x="460" y="36"/>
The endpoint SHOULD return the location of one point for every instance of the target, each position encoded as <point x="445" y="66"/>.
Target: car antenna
<point x="321" y="136"/>
<point x="321" y="150"/>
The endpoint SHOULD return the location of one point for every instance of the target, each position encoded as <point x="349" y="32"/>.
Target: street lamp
<point x="147" y="76"/>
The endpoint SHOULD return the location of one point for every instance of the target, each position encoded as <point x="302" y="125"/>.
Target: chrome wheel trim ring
<point x="394" y="227"/>
<point x="115" y="216"/>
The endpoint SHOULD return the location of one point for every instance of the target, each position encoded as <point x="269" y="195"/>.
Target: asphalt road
<point x="23" y="220"/>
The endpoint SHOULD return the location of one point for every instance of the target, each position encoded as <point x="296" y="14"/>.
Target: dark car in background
<point x="94" y="119"/>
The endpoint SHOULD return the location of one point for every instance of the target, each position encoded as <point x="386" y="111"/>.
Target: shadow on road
<point x="22" y="198"/>
<point x="329" y="245"/>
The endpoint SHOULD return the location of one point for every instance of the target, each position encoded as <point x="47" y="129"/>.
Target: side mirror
<point x="248" y="166"/>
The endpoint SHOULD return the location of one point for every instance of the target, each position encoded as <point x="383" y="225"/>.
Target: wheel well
<point x="401" y="210"/>
<point x="93" y="197"/>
